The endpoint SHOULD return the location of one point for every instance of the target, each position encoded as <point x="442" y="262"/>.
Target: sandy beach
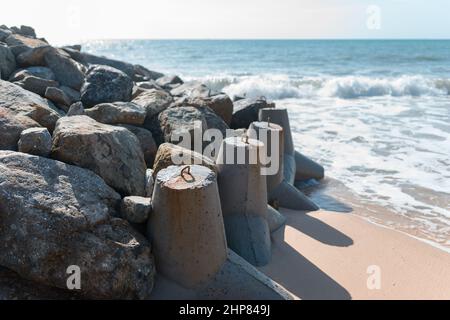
<point x="326" y="255"/>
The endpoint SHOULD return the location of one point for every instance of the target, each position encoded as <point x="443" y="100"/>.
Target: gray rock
<point x="135" y="209"/>
<point x="148" y="144"/>
<point x="222" y="105"/>
<point x="33" y="56"/>
<point x="11" y="125"/>
<point x="105" y="84"/>
<point x="23" y="102"/>
<point x="91" y="59"/>
<point x="246" y="111"/>
<point x="67" y="71"/>
<point x="7" y="62"/>
<point x="166" y="82"/>
<point x="23" y="43"/>
<point x="192" y="89"/>
<point x="59" y="97"/>
<point x="149" y="183"/>
<point x="154" y="101"/>
<point x="37" y="141"/>
<point x="39" y="72"/>
<point x="150" y="84"/>
<point x="36" y="85"/>
<point x="55" y="215"/>
<point x="114" y="153"/>
<point x="74" y="95"/>
<point x="76" y="109"/>
<point x="4" y="33"/>
<point x="24" y="31"/>
<point x="117" y="112"/>
<point x="145" y="73"/>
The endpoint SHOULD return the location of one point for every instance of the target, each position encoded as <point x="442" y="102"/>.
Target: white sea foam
<point x="345" y="87"/>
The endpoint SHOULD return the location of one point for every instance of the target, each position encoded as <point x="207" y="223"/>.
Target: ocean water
<point x="376" y="114"/>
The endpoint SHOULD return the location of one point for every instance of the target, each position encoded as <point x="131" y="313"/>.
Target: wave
<point x="278" y="87"/>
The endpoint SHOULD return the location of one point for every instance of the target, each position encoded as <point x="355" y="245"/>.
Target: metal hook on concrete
<point x="186" y="170"/>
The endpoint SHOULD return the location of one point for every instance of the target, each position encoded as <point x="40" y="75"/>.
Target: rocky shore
<point x="85" y="140"/>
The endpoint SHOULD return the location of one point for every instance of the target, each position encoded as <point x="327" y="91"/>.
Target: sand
<point x="327" y="255"/>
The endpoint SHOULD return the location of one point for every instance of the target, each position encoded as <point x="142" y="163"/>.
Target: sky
<point x="71" y="21"/>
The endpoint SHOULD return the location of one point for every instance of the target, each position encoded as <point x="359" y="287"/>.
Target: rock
<point x="90" y="59"/>
<point x="147" y="74"/>
<point x="39" y="72"/>
<point x="246" y="111"/>
<point x="67" y="71"/>
<point x="37" y="141"/>
<point x="4" y="33"/>
<point x="73" y="95"/>
<point x="149" y="183"/>
<point x="105" y="84"/>
<point x="177" y="121"/>
<point x="117" y="112"/>
<point x="23" y="102"/>
<point x="19" y="44"/>
<point x="56" y="215"/>
<point x="33" y="56"/>
<point x="222" y="105"/>
<point x="24" y="31"/>
<point x="154" y="101"/>
<point x="168" y="152"/>
<point x="148" y="144"/>
<point x="7" y="62"/>
<point x="192" y="89"/>
<point x="76" y="109"/>
<point x="150" y="84"/>
<point x="59" y="97"/>
<point x="167" y="81"/>
<point x="11" y="125"/>
<point x="36" y="85"/>
<point x="135" y="209"/>
<point x="114" y="153"/>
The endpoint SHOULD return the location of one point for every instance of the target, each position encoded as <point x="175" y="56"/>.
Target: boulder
<point x="76" y="109"/>
<point x="105" y="84"/>
<point x="168" y="152"/>
<point x="11" y="125"/>
<point x="91" y="59"/>
<point x="154" y="101"/>
<point x="37" y="141"/>
<point x="39" y="72"/>
<point x="7" y="62"/>
<point x="23" y="102"/>
<point x="246" y="111"/>
<point x="168" y="82"/>
<point x="145" y="73"/>
<point x="73" y="95"/>
<point x="213" y="120"/>
<point x="36" y="85"/>
<point x="4" y="33"/>
<point x="114" y="153"/>
<point x="135" y="209"/>
<point x="59" y="97"/>
<point x="20" y="44"/>
<point x="118" y="112"/>
<point x="222" y="105"/>
<point x="56" y="215"/>
<point x="33" y="56"/>
<point x="192" y="89"/>
<point x="67" y="71"/>
<point x="150" y="84"/>
<point x="149" y="183"/>
<point x="148" y="144"/>
<point x="24" y="31"/>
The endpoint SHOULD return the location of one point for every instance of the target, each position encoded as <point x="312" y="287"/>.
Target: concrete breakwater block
<point x="275" y="219"/>
<point x="307" y="168"/>
<point x="186" y="226"/>
<point x="280" y="117"/>
<point x="243" y="196"/>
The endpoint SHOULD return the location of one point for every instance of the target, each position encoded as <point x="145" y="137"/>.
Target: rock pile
<point x="79" y="135"/>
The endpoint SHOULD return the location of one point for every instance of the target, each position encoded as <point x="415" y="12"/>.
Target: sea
<point x="374" y="113"/>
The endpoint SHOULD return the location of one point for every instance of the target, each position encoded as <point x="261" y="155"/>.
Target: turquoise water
<point x="376" y="114"/>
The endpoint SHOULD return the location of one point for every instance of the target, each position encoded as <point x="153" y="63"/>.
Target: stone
<point x="55" y="215"/>
<point x="246" y="111"/>
<point x="24" y="43"/>
<point x="149" y="183"/>
<point x="114" y="153"/>
<point x="39" y="72"/>
<point x="23" y="102"/>
<point x="213" y="120"/>
<point x="25" y="31"/>
<point x="37" y="141"/>
<point x="135" y="209"/>
<point x="168" y="152"/>
<point x="148" y="144"/>
<point x="167" y="81"/>
<point x="91" y="59"/>
<point x="118" y="112"/>
<point x="105" y="84"/>
<point x="192" y="89"/>
<point x="11" y="125"/>
<point x="34" y="56"/>
<point x="150" y="84"/>
<point x="154" y="101"/>
<point x="4" y="33"/>
<point x="76" y="109"/>
<point x="73" y="94"/>
<point x="145" y="73"/>
<point x="59" y="97"/>
<point x="67" y="71"/>
<point x="7" y="62"/>
<point x="36" y="85"/>
<point x="222" y="105"/>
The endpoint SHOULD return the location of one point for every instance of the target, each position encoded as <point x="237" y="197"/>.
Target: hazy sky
<point x="70" y="21"/>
